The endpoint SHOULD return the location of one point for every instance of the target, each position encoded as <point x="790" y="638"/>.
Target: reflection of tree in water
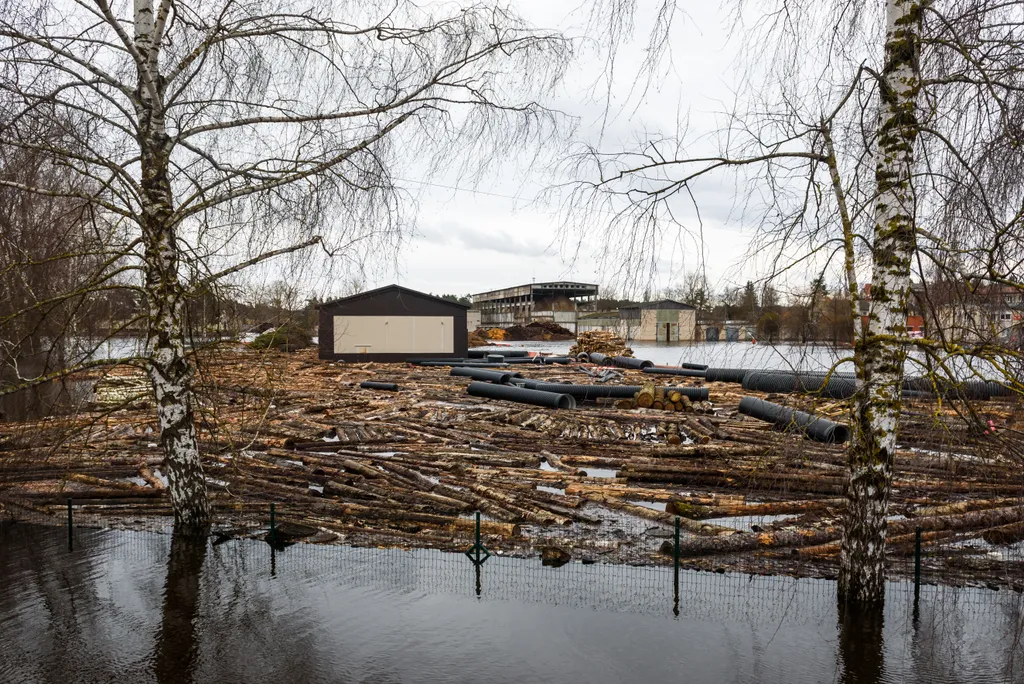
<point x="860" y="644"/>
<point x="176" y="642"/>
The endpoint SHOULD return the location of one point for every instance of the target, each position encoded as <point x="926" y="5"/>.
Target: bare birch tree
<point x="886" y="139"/>
<point x="219" y="135"/>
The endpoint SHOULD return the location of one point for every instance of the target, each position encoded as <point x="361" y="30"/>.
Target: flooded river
<point x="133" y="607"/>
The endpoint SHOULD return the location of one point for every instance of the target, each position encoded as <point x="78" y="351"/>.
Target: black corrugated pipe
<point x="725" y="374"/>
<point x="495" y="358"/>
<point x="917" y="394"/>
<point x="520" y="395"/>
<point x="818" y="429"/>
<point x="557" y="359"/>
<point x="837" y="387"/>
<point x="999" y="389"/>
<point x="683" y="372"/>
<point x="370" y="384"/>
<point x="695" y="393"/>
<point x="500" y="377"/>
<point x="519" y="359"/>
<point x="694" y="366"/>
<point x="588" y="391"/>
<point x="598" y="358"/>
<point x="583" y="356"/>
<point x="461" y="364"/>
<point x="978" y="390"/>
<point x="526" y="382"/>
<point x="630" y="362"/>
<point x="507" y="353"/>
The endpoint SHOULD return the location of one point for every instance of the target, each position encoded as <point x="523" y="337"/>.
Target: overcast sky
<point x="493" y="234"/>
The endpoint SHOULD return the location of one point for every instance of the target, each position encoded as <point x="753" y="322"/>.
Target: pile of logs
<point x="600" y="342"/>
<point x="663" y="399"/>
<point x="601" y="482"/>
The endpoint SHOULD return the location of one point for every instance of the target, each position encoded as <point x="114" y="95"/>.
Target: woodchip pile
<point x="601" y="342"/>
<point x="410" y="468"/>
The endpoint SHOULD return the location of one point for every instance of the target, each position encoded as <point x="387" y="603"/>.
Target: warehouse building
<point x="665" y="320"/>
<point x="392" y="324"/>
<point x="554" y="302"/>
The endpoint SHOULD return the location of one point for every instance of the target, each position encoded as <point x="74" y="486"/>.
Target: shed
<point x="391" y="324"/>
<point x="665" y="320"/>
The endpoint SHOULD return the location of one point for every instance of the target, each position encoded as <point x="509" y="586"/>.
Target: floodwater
<point x="780" y="356"/>
<point x="139" y="607"/>
<point x="721" y="354"/>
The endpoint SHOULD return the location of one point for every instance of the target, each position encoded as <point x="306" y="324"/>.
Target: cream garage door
<point x="394" y="335"/>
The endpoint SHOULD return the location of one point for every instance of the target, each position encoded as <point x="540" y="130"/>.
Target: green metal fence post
<point x="675" y="569"/>
<point x="71" y="538"/>
<point x="477" y="544"/>
<point x="917" y="564"/>
<point x="477" y="553"/>
<point x="273" y="527"/>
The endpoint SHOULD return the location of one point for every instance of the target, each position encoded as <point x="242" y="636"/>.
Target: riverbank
<point x="346" y="465"/>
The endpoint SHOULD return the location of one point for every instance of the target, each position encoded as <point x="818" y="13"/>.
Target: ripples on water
<point x="131" y="607"/>
<point x="781" y="356"/>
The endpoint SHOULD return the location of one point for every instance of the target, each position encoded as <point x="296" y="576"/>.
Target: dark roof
<point x="660" y="304"/>
<point x="391" y="288"/>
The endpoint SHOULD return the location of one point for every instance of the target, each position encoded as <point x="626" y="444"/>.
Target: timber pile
<point x="600" y="342"/>
<point x="664" y="399"/>
<point x="601" y="482"/>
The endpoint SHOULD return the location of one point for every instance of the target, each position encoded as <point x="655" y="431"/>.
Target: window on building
<point x="1005" y="316"/>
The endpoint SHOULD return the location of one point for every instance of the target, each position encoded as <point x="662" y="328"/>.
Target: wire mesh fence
<point x="563" y="565"/>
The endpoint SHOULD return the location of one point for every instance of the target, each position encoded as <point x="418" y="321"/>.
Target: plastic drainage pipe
<point x="694" y="393"/>
<point x="999" y="389"/>
<point x="630" y="362"/>
<point x="520" y="395"/>
<point x="495" y="358"/>
<point x="500" y="377"/>
<point x="507" y="353"/>
<point x="684" y="372"/>
<point x="836" y="387"/>
<point x="583" y="356"/>
<point x="583" y="392"/>
<point x="694" y="366"/>
<point x="461" y="364"/>
<point x="557" y="359"/>
<point x="818" y="429"/>
<point x="598" y="358"/>
<point x="725" y="374"/>
<point x="979" y="390"/>
<point x="370" y="384"/>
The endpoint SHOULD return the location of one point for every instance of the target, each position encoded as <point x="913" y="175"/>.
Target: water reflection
<point x="130" y="607"/>
<point x="176" y="643"/>
<point x="860" y="644"/>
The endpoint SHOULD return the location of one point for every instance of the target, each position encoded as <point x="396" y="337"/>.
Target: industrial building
<point x="665" y="320"/>
<point x="556" y="302"/>
<point x="391" y="324"/>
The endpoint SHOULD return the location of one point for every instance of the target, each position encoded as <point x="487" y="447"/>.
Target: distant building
<point x="665" y="320"/>
<point x="391" y="324"/>
<point x="553" y="302"/>
<point x="472" y="319"/>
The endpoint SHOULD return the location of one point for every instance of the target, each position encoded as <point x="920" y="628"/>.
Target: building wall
<point x="394" y="335"/>
<point x="472" y="319"/>
<point x="392" y="326"/>
<point x="650" y="327"/>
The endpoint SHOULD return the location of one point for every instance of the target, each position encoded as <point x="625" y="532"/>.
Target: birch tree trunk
<point x="169" y="371"/>
<point x="862" y="557"/>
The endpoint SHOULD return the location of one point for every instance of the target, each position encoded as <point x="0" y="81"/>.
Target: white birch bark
<point x="882" y="352"/>
<point x="169" y="370"/>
